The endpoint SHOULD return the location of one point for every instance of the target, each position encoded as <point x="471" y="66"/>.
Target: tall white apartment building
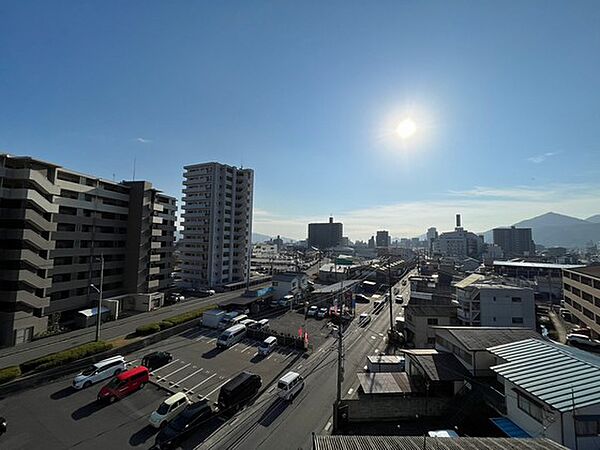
<point x="217" y="224"/>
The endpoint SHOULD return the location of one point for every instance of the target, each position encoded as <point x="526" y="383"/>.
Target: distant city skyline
<point x="310" y="96"/>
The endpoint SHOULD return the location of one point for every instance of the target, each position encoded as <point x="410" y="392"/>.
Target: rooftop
<point x="593" y="271"/>
<point x="481" y="338"/>
<point x="385" y="383"/>
<point x="416" y="443"/>
<point x="431" y="310"/>
<point x="335" y="287"/>
<point x="536" y="265"/>
<point x="562" y="377"/>
<point x="287" y="276"/>
<point x="439" y="366"/>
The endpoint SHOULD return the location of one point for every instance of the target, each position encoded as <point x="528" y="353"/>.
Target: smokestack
<point x="331" y="220"/>
<point x="458" y="221"/>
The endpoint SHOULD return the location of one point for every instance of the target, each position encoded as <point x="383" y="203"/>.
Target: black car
<point x="155" y="360"/>
<point x="238" y="392"/>
<point x="186" y="422"/>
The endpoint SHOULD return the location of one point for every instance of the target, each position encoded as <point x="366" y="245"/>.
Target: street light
<point x="99" y="291"/>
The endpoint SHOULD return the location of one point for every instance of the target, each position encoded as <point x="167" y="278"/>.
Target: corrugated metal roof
<point x="385" y="383"/>
<point x="560" y="376"/>
<point x="469" y="280"/>
<point x="536" y="264"/>
<point x="417" y="443"/>
<point x="481" y="338"/>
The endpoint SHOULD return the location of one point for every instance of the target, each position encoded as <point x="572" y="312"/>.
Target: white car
<point x="312" y="311"/>
<point x="99" y="371"/>
<point x="322" y="313"/>
<point x="289" y="385"/>
<point x="169" y="409"/>
<point x="364" y="319"/>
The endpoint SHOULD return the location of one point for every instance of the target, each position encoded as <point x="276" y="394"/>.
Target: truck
<point x="212" y="318"/>
<point x="385" y="363"/>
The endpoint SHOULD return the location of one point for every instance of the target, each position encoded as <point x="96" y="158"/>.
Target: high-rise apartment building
<point x="514" y="241"/>
<point x="217" y="224"/>
<point x="325" y="235"/>
<point x="55" y="224"/>
<point x="382" y="238"/>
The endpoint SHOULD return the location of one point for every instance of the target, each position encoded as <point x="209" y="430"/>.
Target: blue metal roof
<point x="564" y="378"/>
<point x="509" y="428"/>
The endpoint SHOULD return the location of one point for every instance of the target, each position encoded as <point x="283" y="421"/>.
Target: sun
<point x="406" y="128"/>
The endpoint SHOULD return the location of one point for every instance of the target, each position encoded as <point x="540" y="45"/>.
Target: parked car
<point x="237" y="392"/>
<point x="259" y="324"/>
<point x="168" y="409"/>
<point x="189" y="420"/>
<point x="124" y="384"/>
<point x="267" y="346"/>
<point x="99" y="371"/>
<point x="289" y="385"/>
<point x="312" y="311"/>
<point x="155" y="360"/>
<point x="231" y="336"/>
<point x="249" y="323"/>
<point x="322" y="313"/>
<point x="364" y="319"/>
<point x="399" y="299"/>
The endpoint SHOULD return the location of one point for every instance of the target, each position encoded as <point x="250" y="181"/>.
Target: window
<point x="517" y="320"/>
<point x="432" y="321"/>
<point x="587" y="425"/>
<point x="529" y="406"/>
<point x="516" y="299"/>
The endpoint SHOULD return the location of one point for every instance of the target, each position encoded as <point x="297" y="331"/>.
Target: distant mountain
<point x="558" y="230"/>
<point x="257" y="238"/>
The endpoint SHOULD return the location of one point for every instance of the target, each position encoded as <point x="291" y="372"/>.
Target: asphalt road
<point x="274" y="424"/>
<point x="110" y="330"/>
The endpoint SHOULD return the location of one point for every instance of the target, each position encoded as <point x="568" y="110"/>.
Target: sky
<point x="505" y="96"/>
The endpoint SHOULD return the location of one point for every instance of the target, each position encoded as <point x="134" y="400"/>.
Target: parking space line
<point x="216" y="389"/>
<point x="212" y="340"/>
<point x="191" y="390"/>
<point x="131" y="363"/>
<point x="178" y="370"/>
<point x="328" y="426"/>
<point x="234" y="346"/>
<point x="190" y="375"/>
<point x="247" y="348"/>
<point x="164" y="367"/>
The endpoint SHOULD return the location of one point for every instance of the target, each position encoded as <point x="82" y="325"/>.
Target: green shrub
<point x="9" y="373"/>
<point x="66" y="356"/>
<point x="145" y="330"/>
<point x="165" y="324"/>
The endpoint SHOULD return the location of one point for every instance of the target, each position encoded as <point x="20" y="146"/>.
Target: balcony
<point x="157" y="220"/>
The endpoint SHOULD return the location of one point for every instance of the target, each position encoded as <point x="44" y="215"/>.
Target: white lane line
<point x="191" y="390"/>
<point x="211" y="341"/>
<point x="216" y="389"/>
<point x="178" y="370"/>
<point x="247" y="348"/>
<point x="131" y="363"/>
<point x="328" y="426"/>
<point x="299" y="367"/>
<point x="268" y="357"/>
<point x="189" y="376"/>
<point x="234" y="346"/>
<point x="164" y="367"/>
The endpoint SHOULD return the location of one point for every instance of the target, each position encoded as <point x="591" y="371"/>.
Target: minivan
<point x="237" y="392"/>
<point x="267" y="346"/>
<point x="99" y="371"/>
<point x="227" y="318"/>
<point x="124" y="384"/>
<point x="289" y="385"/>
<point x="187" y="422"/>
<point x="237" y="320"/>
<point x="231" y="336"/>
<point x="169" y="409"/>
<point x="155" y="360"/>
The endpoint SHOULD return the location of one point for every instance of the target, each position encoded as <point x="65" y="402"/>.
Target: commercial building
<point x="514" y="241"/>
<point x="325" y="235"/>
<point x="420" y="317"/>
<point x="545" y="279"/>
<point x="217" y="224"/>
<point x="494" y="302"/>
<point x="582" y="296"/>
<point x="55" y="227"/>
<point x="459" y="243"/>
<point x="551" y="391"/>
<point x="382" y="239"/>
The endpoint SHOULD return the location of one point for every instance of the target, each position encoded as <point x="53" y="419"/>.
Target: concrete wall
<point x="389" y="407"/>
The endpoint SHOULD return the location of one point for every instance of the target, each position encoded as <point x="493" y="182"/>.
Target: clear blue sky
<point x="506" y="96"/>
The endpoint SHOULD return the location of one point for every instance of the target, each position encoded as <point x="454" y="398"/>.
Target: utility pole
<point x="390" y="299"/>
<point x="340" y="370"/>
<point x="99" y="290"/>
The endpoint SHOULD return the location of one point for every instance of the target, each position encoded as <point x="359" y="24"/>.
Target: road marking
<point x="350" y="391"/>
<point x="178" y="370"/>
<point x="212" y="340"/>
<point x="380" y="334"/>
<point x="164" y="367"/>
<point x="131" y="363"/>
<point x="328" y="426"/>
<point x="191" y="375"/>
<point x="247" y="348"/>
<point x="191" y="390"/>
<point x="216" y="389"/>
<point x="234" y="346"/>
<point x="373" y="337"/>
<point x="268" y="357"/>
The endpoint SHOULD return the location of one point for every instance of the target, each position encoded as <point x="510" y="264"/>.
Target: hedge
<point x="169" y="322"/>
<point x="66" y="356"/>
<point x="9" y="373"/>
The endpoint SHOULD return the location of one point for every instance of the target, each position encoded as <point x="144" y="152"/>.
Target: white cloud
<point x="537" y="159"/>
<point x="482" y="208"/>
<point x="142" y="140"/>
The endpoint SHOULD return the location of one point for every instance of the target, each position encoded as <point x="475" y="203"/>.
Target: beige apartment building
<point x="57" y="224"/>
<point x="581" y="288"/>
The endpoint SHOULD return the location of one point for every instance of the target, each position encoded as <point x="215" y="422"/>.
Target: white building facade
<point x="217" y="224"/>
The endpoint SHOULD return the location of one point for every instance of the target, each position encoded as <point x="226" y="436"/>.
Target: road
<point x="274" y="424"/>
<point x="111" y="330"/>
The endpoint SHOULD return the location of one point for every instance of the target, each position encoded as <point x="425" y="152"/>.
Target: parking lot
<point x="57" y="416"/>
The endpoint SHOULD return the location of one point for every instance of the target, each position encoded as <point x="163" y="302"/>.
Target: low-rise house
<point x="289" y="283"/>
<point x="420" y="317"/>
<point x="551" y="391"/>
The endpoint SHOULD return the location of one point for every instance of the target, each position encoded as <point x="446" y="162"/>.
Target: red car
<point x="124" y="384"/>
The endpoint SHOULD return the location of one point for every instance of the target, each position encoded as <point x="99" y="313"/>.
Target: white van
<point x="267" y="346"/>
<point x="289" y="385"/>
<point x="238" y="319"/>
<point x="168" y="409"/>
<point x="227" y="318"/>
<point x="100" y="371"/>
<point x="231" y="336"/>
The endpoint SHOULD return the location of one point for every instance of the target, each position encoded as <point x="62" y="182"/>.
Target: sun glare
<point x="406" y="128"/>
